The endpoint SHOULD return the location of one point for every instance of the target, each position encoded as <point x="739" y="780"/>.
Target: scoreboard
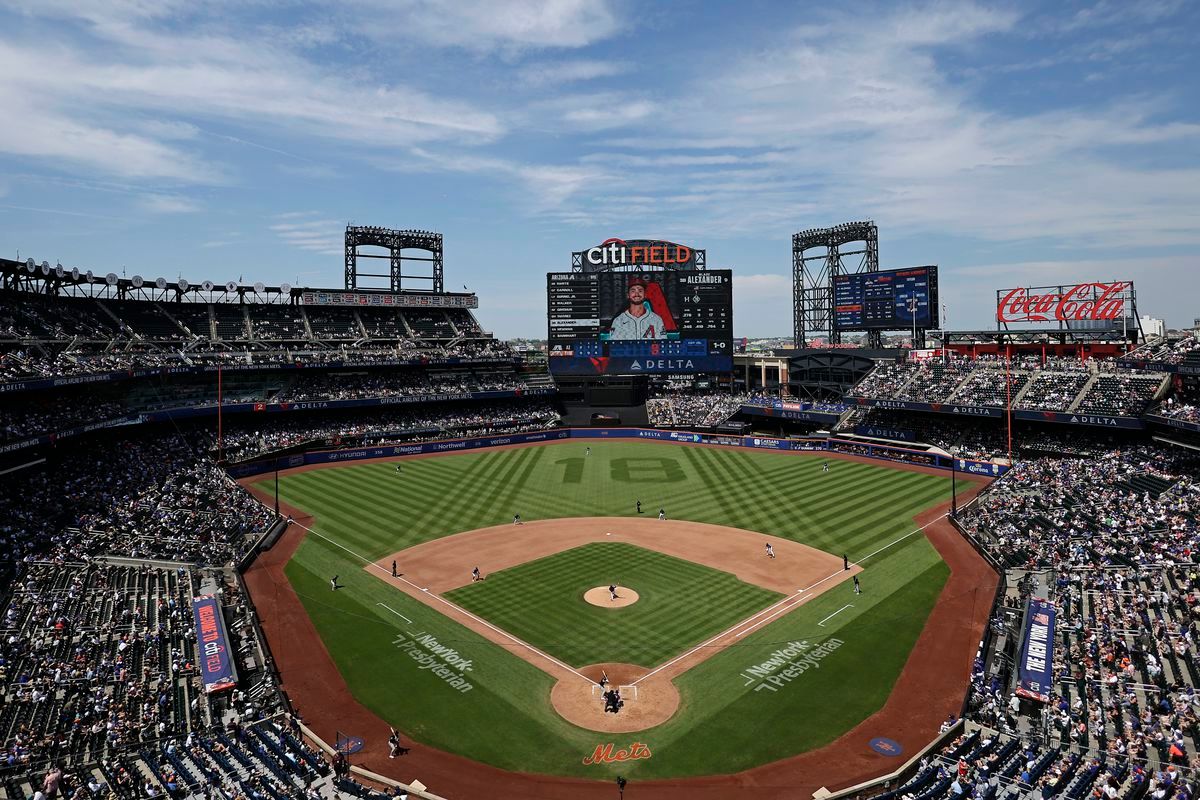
<point x="880" y="300"/>
<point x="630" y="322"/>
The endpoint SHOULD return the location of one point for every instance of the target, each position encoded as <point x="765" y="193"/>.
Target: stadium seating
<point x="693" y="409"/>
<point x="1057" y="385"/>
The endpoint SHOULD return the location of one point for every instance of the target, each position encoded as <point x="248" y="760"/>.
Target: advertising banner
<point x="212" y="644"/>
<point x="1083" y="302"/>
<point x="1035" y="670"/>
<point x="857" y="448"/>
<point x="881" y="432"/>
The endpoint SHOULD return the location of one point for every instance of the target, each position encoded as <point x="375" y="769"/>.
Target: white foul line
<point x="397" y="613"/>
<point x="443" y="600"/>
<point x="834" y="614"/>
<point x="657" y="669"/>
<point x="790" y="597"/>
<point x="765" y="620"/>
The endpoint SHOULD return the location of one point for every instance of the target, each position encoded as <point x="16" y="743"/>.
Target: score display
<point x="618" y="323"/>
<point x="880" y="300"/>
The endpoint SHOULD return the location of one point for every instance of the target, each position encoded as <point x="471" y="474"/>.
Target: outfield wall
<point x="835" y="445"/>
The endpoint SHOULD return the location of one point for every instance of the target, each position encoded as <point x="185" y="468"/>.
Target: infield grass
<point x="366" y="511"/>
<point x="680" y="604"/>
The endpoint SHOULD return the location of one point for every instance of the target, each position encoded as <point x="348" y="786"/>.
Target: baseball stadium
<point x="284" y="540"/>
<point x="599" y="400"/>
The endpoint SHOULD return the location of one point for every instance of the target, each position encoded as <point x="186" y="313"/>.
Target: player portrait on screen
<point x="642" y="318"/>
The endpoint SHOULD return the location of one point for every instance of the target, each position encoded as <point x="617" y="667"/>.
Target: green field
<point x="366" y="511"/>
<point x="680" y="604"/>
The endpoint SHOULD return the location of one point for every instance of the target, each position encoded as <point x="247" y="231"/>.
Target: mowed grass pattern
<point x="853" y="508"/>
<point x="367" y="511"/>
<point x="680" y="604"/>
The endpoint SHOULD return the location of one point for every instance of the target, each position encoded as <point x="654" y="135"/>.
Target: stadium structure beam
<point x="818" y="256"/>
<point x="395" y="242"/>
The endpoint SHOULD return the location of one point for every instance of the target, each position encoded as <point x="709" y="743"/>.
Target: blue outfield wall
<point x="855" y="448"/>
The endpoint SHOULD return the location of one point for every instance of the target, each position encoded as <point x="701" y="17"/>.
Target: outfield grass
<point x="680" y="604"/>
<point x="506" y="718"/>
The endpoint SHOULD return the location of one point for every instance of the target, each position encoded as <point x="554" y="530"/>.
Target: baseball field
<point x="725" y="650"/>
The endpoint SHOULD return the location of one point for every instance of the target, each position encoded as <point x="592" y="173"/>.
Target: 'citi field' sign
<point x="638" y="252"/>
<point x="1083" y="301"/>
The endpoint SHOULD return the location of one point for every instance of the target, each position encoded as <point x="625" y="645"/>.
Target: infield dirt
<point x="930" y="687"/>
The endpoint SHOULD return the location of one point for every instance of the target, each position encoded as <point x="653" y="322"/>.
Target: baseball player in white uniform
<point x="638" y="321"/>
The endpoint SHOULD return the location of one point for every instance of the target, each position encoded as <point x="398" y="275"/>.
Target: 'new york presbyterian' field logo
<point x="442" y="661"/>
<point x="606" y="754"/>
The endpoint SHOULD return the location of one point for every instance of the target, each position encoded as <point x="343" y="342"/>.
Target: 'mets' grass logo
<point x="609" y="754"/>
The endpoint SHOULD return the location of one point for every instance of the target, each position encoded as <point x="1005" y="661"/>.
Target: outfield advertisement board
<point x="1172" y="422"/>
<point x="996" y="412"/>
<point x="753" y="442"/>
<point x="1035" y="669"/>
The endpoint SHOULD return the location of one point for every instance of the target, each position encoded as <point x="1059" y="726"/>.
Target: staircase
<point x="1087" y="387"/>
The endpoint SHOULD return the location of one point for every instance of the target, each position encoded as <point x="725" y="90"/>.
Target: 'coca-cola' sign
<point x="1084" y="301"/>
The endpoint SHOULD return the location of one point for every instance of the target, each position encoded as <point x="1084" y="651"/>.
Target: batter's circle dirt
<point x="649" y="701"/>
<point x="930" y="687"/>
<point x="600" y="596"/>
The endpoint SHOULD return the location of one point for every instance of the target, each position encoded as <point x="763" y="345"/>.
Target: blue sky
<point x="1012" y="144"/>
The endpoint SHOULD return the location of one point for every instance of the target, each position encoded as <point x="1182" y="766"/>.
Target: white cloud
<point x="322" y="236"/>
<point x="839" y="121"/>
<point x="554" y="73"/>
<point x="168" y="204"/>
<point x="123" y="98"/>
<point x="483" y="25"/>
<point x="55" y="137"/>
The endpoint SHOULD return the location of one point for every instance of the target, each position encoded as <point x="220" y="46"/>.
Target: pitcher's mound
<point x="600" y="596"/>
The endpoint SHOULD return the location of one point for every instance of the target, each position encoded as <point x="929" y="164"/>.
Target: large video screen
<point x="619" y="323"/>
<point x="880" y="300"/>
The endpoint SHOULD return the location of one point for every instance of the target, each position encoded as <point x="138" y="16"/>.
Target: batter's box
<point x="628" y="693"/>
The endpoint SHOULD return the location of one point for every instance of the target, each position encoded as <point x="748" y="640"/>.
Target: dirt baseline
<point x="796" y="570"/>
<point x="930" y="687"/>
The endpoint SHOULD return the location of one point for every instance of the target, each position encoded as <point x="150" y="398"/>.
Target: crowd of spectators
<point x="46" y="337"/>
<point x="1053" y="391"/>
<point x="694" y="409"/>
<point x="985" y="765"/>
<point x="152" y="496"/>
<point x="1181" y="409"/>
<point x="1167" y="351"/>
<point x="339" y="386"/>
<point x="1134" y="506"/>
<point x="246" y="439"/>
<point x="1033" y="383"/>
<point x="1122" y="394"/>
<point x="38" y="413"/>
